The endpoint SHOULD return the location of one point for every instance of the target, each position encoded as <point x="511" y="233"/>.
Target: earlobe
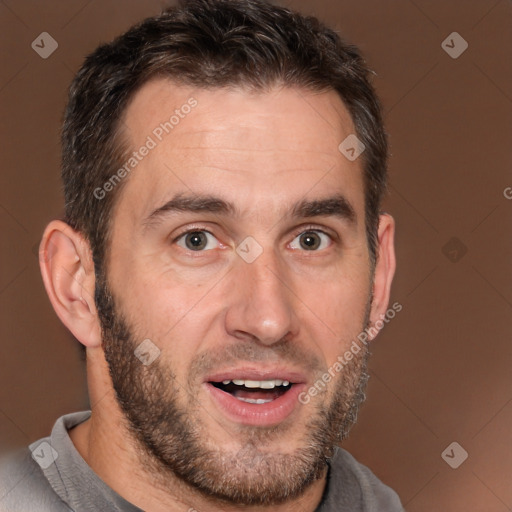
<point x="384" y="269"/>
<point x="67" y="269"/>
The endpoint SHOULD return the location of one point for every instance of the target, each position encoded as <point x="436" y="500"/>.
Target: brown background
<point x="441" y="370"/>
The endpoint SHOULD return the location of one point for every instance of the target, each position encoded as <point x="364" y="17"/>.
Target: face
<point x="239" y="249"/>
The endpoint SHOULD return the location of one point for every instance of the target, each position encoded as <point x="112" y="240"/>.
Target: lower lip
<point x="270" y="413"/>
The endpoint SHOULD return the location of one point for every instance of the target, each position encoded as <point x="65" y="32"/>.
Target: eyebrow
<point x="189" y="203"/>
<point x="333" y="206"/>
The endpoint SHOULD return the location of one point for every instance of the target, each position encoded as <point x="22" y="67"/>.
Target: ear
<point x="384" y="269"/>
<point x="66" y="263"/>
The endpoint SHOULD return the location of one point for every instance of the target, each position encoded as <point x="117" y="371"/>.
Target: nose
<point x="261" y="304"/>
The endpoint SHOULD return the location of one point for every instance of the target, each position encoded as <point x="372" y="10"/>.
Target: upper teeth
<point x="264" y="384"/>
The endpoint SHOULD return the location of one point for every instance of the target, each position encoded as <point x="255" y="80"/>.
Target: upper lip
<point x="258" y="374"/>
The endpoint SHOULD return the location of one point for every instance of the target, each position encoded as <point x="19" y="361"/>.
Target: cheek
<point x="175" y="315"/>
<point x="338" y="312"/>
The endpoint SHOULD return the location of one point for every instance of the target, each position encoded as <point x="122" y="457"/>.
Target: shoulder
<point x="353" y="479"/>
<point x="23" y="486"/>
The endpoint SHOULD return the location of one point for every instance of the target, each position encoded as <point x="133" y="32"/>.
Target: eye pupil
<point x="310" y="241"/>
<point x="195" y="240"/>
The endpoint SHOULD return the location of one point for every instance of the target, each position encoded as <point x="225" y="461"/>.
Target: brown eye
<point x="312" y="240"/>
<point x="197" y="241"/>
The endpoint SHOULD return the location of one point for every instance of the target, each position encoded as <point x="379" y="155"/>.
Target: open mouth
<point x="258" y="397"/>
<point x="254" y="391"/>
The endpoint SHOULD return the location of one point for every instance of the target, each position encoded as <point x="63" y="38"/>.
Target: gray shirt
<point x="51" y="476"/>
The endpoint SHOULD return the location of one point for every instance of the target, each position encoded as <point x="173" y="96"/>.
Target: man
<point x="222" y="258"/>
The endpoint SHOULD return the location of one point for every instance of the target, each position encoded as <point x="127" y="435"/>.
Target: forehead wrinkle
<point x="238" y="170"/>
<point x="255" y="150"/>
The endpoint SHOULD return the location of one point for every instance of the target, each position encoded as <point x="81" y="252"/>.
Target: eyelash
<point x="299" y="231"/>
<point x="307" y="229"/>
<point x="192" y="229"/>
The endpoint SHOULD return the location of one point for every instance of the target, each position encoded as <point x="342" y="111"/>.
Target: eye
<point x="312" y="240"/>
<point x="197" y="241"/>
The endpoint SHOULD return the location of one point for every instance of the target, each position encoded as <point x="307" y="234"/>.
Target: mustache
<point x="283" y="352"/>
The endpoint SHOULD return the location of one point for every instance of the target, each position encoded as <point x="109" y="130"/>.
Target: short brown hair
<point x="210" y="44"/>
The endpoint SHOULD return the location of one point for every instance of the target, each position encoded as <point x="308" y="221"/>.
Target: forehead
<point x="235" y="111"/>
<point x="259" y="147"/>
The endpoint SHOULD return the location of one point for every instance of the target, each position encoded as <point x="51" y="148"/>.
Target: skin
<point x="264" y="153"/>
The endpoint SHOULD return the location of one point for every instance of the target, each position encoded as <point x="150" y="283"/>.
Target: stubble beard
<point x="174" y="442"/>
